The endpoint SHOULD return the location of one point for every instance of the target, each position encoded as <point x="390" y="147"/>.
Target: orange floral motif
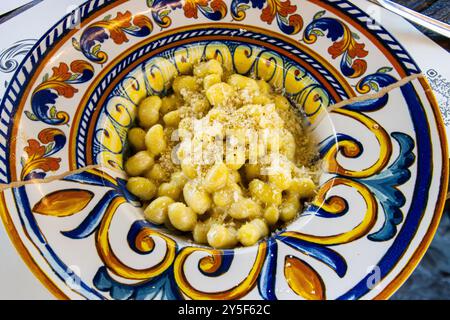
<point x="48" y="135"/>
<point x="34" y="149"/>
<point x="219" y="6"/>
<point x="274" y="7"/>
<point x="58" y="81"/>
<point x="117" y="29"/>
<point x="62" y="82"/>
<point x="39" y="160"/>
<point x="282" y="11"/>
<point x="212" y="9"/>
<point x="353" y="48"/>
<point x="352" y="52"/>
<point x="45" y="164"/>
<point x="61" y="73"/>
<point x="190" y="7"/>
<point x="62" y="77"/>
<point x="116" y="26"/>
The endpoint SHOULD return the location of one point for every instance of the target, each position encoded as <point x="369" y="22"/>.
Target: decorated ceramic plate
<point x="66" y="113"/>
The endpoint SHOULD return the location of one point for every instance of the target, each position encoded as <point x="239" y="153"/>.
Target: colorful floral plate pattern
<point x="74" y="97"/>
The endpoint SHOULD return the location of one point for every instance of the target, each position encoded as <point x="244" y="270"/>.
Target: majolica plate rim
<point x="387" y="291"/>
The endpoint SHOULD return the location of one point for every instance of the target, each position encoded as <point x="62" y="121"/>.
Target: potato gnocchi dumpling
<point x="222" y="156"/>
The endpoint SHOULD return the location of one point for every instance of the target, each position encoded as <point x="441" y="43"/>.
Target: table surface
<point x="431" y="279"/>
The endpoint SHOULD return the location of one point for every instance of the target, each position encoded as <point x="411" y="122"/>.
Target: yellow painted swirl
<point x="220" y="52"/>
<point x="244" y="58"/>
<point x="159" y="73"/>
<point x="269" y="67"/>
<point x="332" y="205"/>
<point x="351" y="149"/>
<point x="357" y="232"/>
<point x="210" y="264"/>
<point x="134" y="85"/>
<point x="118" y="267"/>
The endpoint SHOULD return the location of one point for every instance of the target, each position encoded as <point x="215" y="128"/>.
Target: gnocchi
<point x="223" y="191"/>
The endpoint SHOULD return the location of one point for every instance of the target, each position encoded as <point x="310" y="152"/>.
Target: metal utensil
<point x="416" y="17"/>
<point x="11" y="14"/>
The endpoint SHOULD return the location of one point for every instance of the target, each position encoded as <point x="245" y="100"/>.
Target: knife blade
<point x="416" y="17"/>
<point x="5" y="16"/>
